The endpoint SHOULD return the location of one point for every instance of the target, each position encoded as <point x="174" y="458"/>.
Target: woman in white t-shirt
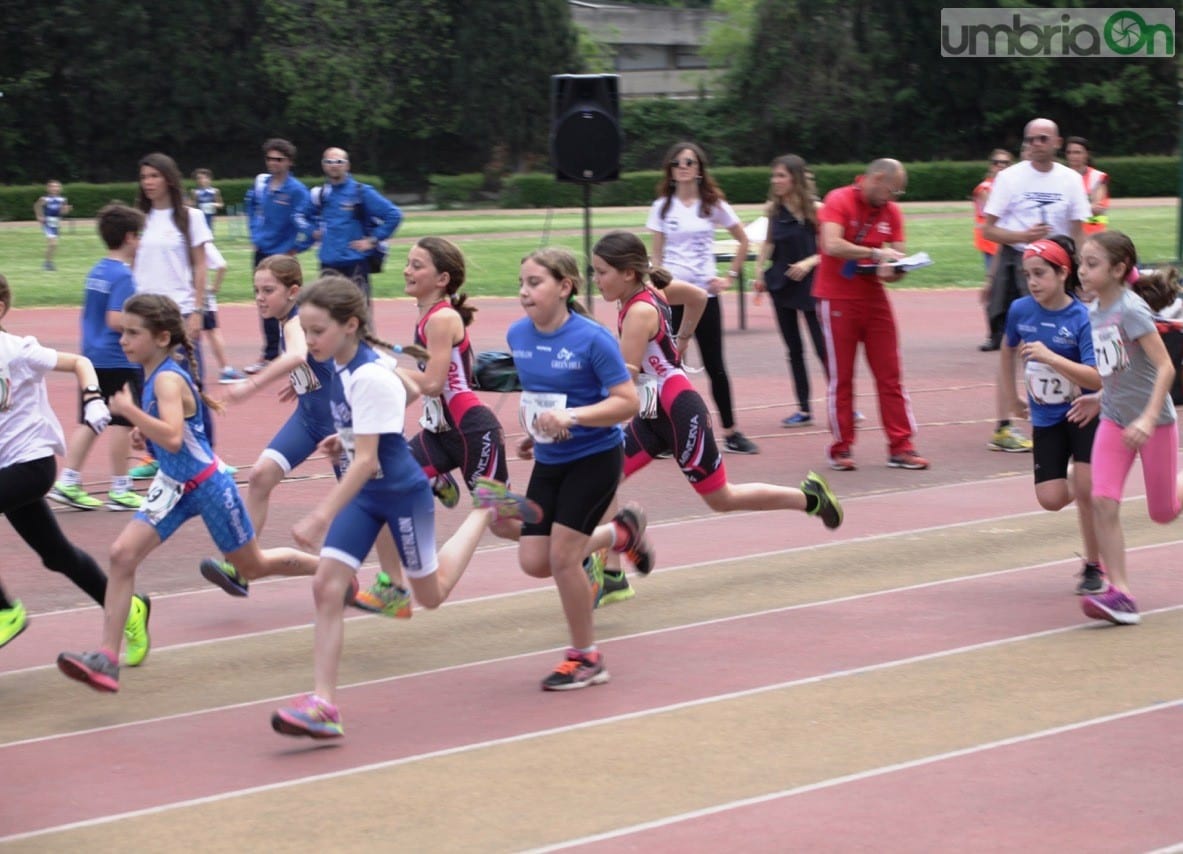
<point x="171" y="259"/>
<point x="689" y="208"/>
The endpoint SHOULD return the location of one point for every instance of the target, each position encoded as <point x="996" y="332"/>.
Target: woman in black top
<point x="791" y="243"/>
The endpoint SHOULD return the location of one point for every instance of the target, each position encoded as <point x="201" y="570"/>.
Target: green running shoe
<point x="386" y="598"/>
<point x="73" y="495"/>
<point x="593" y="565"/>
<point x="505" y="504"/>
<point x="445" y="488"/>
<point x="135" y="632"/>
<point x="13" y="621"/>
<point x="616" y="588"/>
<point x="828" y="509"/>
<point x="224" y="575"/>
<point x="125" y="500"/>
<point x="147" y="471"/>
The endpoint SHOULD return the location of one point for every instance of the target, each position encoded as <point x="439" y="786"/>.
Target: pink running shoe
<point x="310" y="716"/>
<point x="1112" y="605"/>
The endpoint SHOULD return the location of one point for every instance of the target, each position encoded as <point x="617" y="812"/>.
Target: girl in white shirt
<point x="683" y="219"/>
<point x="30" y="436"/>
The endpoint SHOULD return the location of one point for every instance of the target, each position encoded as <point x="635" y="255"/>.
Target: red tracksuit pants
<point x="868" y="320"/>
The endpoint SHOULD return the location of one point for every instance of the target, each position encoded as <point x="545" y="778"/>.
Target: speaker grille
<point x="587" y="145"/>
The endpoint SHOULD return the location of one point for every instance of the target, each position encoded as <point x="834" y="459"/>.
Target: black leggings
<point x="709" y="335"/>
<point x="786" y="318"/>
<point x="22" y="499"/>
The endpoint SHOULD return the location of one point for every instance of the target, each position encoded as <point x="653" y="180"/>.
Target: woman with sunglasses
<point x="689" y="208"/>
<point x="999" y="159"/>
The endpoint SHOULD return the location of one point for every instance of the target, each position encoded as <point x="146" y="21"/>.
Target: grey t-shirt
<point x="1127" y="374"/>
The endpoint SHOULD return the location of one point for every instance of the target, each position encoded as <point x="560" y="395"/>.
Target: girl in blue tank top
<point x="191" y="482"/>
<point x="382" y="486"/>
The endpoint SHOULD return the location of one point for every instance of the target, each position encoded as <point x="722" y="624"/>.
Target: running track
<point x="921" y="679"/>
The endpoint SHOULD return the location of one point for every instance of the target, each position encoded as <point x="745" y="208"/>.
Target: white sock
<point x="121" y="483"/>
<point x="71" y="477"/>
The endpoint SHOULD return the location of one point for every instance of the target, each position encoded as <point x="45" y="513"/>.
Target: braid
<point x="419" y="354"/>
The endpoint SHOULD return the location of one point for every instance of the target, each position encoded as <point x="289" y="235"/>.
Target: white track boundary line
<point x="859" y="776"/>
<point x="530" y="736"/>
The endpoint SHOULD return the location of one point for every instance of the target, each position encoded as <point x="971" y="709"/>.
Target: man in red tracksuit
<point x="862" y="230"/>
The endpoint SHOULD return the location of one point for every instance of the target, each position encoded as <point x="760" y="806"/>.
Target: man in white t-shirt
<point x="1029" y="201"/>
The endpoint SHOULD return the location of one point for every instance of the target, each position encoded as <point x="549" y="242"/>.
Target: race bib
<point x="303" y="379"/>
<point x="1109" y="350"/>
<point x="1047" y="386"/>
<point x="647" y="393"/>
<point x="53" y="221"/>
<point x="533" y="404"/>
<point x="208" y="208"/>
<point x="349" y="450"/>
<point x="433" y="419"/>
<point x="5" y="389"/>
<point x="163" y="495"/>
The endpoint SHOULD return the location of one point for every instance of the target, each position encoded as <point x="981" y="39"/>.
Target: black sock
<point x="1004" y="423"/>
<point x="4" y="603"/>
<point x="811" y="502"/>
<point x="615" y="573"/>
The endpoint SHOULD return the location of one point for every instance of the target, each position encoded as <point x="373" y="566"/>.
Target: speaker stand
<point x="587" y="244"/>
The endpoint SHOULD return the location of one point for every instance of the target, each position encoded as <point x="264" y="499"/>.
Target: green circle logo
<point x="1125" y="32"/>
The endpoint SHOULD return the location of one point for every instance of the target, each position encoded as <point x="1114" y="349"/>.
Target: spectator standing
<point x="1096" y="183"/>
<point x="49" y="210"/>
<point x="275" y="206"/>
<point x="683" y="218"/>
<point x="999" y="159"/>
<point x="862" y="229"/>
<point x="352" y="221"/>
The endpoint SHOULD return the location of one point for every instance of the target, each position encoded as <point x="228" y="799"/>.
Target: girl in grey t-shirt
<point x="1137" y="415"/>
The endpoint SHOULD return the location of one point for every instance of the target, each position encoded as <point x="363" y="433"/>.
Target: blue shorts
<point x="410" y="517"/>
<point x="296" y="441"/>
<point x="218" y="503"/>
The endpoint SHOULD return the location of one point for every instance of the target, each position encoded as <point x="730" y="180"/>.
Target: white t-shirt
<point x="214" y="261"/>
<point x="28" y="428"/>
<point x="1022" y="196"/>
<point x="162" y="263"/>
<point x="690" y="239"/>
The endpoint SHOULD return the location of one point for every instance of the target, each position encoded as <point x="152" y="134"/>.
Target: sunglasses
<point x="685" y="161"/>
<point x="1041" y="138"/>
<point x="1000" y="162"/>
<point x="271" y="158"/>
<point x="336" y="161"/>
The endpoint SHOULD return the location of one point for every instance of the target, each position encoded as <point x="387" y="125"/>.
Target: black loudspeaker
<point x="585" y="136"/>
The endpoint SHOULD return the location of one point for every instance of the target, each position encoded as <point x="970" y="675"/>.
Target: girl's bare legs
<point x="333" y="579"/>
<point x="1106" y="513"/>
<point x="265" y="475"/>
<point x="561" y="556"/>
<point x="431" y="590"/>
<point x="133" y="544"/>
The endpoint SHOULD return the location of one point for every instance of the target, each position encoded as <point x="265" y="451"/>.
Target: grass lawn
<point x="495" y="242"/>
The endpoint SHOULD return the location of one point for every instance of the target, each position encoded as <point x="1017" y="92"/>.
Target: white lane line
<point x="857" y="777"/>
<point x="567" y="728"/>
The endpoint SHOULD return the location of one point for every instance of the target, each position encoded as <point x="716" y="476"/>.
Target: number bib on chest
<point x="1109" y="350"/>
<point x="303" y="379"/>
<point x="647" y="394"/>
<point x="533" y="404"/>
<point x="5" y="388"/>
<point x="1047" y="386"/>
<point x="433" y="419"/>
<point x="163" y="495"/>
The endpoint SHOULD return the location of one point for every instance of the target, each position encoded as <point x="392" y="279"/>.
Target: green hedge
<point x="16" y="203"/>
<point x="928" y="181"/>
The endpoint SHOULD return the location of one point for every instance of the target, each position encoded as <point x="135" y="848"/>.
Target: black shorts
<point x="476" y="446"/>
<point x="209" y="320"/>
<point x="1056" y="445"/>
<point x="575" y="494"/>
<point x="683" y="429"/>
<point x="110" y="381"/>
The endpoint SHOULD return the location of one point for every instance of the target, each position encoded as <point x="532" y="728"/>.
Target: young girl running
<point x="278" y="280"/>
<point x="673" y="416"/>
<point x="1049" y="330"/>
<point x="191" y="481"/>
<point x="577" y="391"/>
<point x="459" y="431"/>
<point x="30" y="436"/>
<point x="382" y="486"/>
<point x="1137" y="415"/>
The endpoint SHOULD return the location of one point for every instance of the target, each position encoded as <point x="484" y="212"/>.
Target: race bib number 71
<point x="1109" y="350"/>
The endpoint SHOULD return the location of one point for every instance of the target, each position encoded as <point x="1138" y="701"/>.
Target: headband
<point x="1049" y="251"/>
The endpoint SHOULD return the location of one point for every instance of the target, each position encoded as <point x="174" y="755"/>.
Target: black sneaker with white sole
<point x="738" y="443"/>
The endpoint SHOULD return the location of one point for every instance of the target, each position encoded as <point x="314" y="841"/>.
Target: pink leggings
<point x="1112" y="461"/>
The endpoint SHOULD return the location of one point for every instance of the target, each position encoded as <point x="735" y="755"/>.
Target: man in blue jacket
<point x="275" y="211"/>
<point x="352" y="220"/>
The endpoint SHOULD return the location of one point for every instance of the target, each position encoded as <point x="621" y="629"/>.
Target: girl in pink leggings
<point x="1137" y="415"/>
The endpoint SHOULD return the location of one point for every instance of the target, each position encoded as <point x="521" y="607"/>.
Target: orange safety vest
<point x="980" y="242"/>
<point x="1094" y="178"/>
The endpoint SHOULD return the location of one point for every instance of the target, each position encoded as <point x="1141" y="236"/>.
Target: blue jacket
<point x="277" y="218"/>
<point x="338" y="223"/>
